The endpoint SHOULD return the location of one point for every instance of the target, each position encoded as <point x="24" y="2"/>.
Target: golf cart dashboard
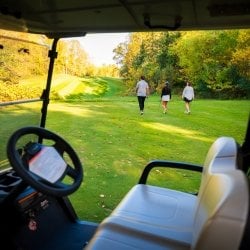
<point x="32" y="217"/>
<point x="29" y="203"/>
<point x="8" y="180"/>
<point x="32" y="202"/>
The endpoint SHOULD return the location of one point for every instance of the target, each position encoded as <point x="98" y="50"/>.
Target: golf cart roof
<point x="63" y="18"/>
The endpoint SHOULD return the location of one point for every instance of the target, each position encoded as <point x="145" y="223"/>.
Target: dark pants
<point x="141" y="100"/>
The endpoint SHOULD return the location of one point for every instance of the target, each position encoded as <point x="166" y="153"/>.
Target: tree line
<point x="216" y="62"/>
<point x="25" y="56"/>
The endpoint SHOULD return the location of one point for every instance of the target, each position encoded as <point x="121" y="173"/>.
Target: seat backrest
<point x="223" y="199"/>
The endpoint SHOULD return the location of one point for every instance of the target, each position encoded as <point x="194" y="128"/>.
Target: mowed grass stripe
<point x="69" y="88"/>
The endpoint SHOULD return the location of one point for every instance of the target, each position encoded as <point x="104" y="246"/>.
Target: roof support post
<point x="46" y="93"/>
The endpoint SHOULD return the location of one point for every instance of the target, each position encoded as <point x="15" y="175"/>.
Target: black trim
<point x="53" y="55"/>
<point x="21" y="101"/>
<point x="167" y="164"/>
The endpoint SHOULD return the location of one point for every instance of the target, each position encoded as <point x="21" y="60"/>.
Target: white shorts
<point x="165" y="98"/>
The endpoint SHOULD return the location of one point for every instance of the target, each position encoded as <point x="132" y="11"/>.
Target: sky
<point x="100" y="47"/>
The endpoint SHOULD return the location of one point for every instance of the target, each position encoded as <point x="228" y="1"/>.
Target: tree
<point x="72" y="58"/>
<point x="206" y="58"/>
<point x="148" y="54"/>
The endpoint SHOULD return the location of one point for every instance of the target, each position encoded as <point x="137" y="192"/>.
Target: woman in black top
<point x="165" y="97"/>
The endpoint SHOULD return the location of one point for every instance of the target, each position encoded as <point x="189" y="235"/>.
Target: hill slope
<point x="64" y="87"/>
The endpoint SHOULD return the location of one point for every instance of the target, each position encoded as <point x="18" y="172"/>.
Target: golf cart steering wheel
<point x="44" y="167"/>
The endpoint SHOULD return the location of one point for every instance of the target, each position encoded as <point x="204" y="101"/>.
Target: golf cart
<point x="41" y="169"/>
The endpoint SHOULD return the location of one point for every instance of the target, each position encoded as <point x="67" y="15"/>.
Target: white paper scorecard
<point x="48" y="164"/>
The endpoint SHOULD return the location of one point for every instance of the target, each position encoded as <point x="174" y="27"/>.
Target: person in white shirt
<point x="188" y="96"/>
<point x="142" y="91"/>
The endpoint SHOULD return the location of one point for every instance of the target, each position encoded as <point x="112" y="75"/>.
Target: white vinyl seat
<point x="152" y="217"/>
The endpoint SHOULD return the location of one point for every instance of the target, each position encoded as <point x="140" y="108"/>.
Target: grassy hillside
<point x="64" y="87"/>
<point x="77" y="88"/>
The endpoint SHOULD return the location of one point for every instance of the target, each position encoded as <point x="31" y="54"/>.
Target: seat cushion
<point x="157" y="214"/>
<point x="222" y="212"/>
<point x="151" y="217"/>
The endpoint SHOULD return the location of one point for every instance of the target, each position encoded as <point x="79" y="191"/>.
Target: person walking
<point x="165" y="97"/>
<point x="142" y="91"/>
<point x="188" y="96"/>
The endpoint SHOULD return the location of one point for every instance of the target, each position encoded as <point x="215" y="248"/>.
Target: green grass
<point x="115" y="143"/>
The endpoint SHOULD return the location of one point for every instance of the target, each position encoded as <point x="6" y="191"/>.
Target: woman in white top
<point x="188" y="96"/>
<point x="142" y="91"/>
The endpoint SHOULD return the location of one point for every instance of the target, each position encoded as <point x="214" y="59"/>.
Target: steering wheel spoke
<point x="59" y="147"/>
<point x="70" y="171"/>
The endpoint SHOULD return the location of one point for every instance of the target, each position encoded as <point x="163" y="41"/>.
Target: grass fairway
<point x="114" y="143"/>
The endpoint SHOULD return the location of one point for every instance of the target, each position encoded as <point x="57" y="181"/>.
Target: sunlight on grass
<point x="173" y="129"/>
<point x="69" y="88"/>
<point x="89" y="90"/>
<point x="78" y="111"/>
<point x="75" y="110"/>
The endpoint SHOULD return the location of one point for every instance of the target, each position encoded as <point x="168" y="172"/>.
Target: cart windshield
<point x="24" y="63"/>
